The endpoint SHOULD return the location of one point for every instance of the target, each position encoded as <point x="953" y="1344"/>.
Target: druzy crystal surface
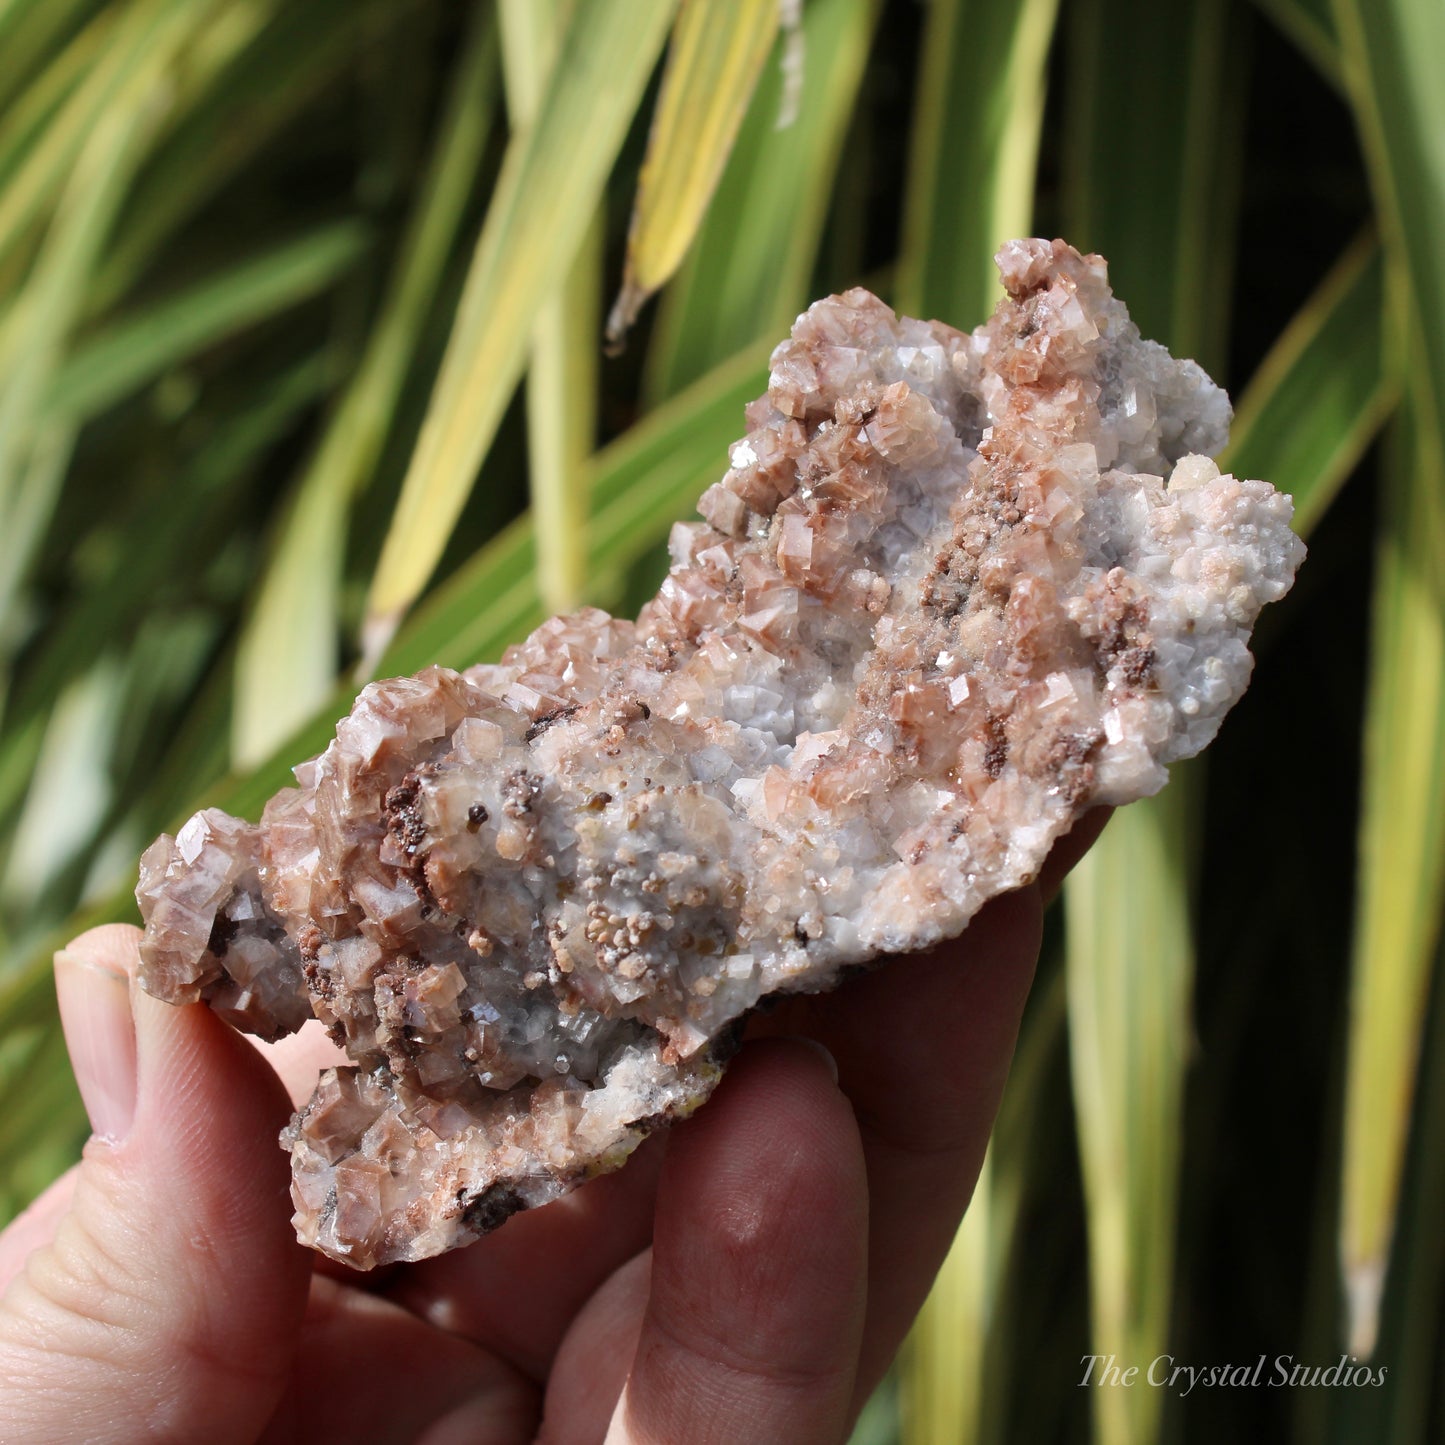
<point x="953" y="590"/>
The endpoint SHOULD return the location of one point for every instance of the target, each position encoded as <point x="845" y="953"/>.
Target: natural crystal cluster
<point x="952" y="591"/>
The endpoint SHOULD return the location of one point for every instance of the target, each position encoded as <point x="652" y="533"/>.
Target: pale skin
<point x="748" y="1276"/>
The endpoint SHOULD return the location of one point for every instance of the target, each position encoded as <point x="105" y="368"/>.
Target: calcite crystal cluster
<point x="952" y="591"/>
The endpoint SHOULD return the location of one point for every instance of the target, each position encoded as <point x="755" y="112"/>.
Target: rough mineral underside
<point x="942" y="602"/>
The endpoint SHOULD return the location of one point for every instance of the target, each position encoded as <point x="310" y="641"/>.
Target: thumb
<point x="167" y="1304"/>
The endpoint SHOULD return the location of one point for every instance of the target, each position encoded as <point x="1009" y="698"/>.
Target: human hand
<point x="748" y="1276"/>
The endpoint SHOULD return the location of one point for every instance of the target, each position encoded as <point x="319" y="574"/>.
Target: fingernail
<point x="822" y="1053"/>
<point x="100" y="1034"/>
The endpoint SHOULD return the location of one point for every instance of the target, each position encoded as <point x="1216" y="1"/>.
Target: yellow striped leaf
<point x="748" y="273"/>
<point x="1130" y="973"/>
<point x="973" y="160"/>
<point x="550" y="186"/>
<point x="1158" y="201"/>
<point x="1321" y="395"/>
<point x="287" y="657"/>
<point x="1391" y="51"/>
<point x="1401" y="883"/>
<point x="562" y="376"/>
<point x="713" y="65"/>
<point x="956" y="1366"/>
<point x="974" y="153"/>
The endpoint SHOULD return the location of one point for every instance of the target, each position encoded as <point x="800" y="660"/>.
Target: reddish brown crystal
<point x="942" y="601"/>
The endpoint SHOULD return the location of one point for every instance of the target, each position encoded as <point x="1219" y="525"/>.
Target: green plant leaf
<point x="1130" y="975"/>
<point x="126" y="74"/>
<point x="286" y="661"/>
<point x="1390" y="51"/>
<point x="30" y="32"/>
<point x="549" y="188"/>
<point x="1410" y="1338"/>
<point x="956" y="1364"/>
<point x="1401" y="886"/>
<point x="640" y="485"/>
<point x="1159" y="201"/>
<point x="162" y="535"/>
<point x="70" y="790"/>
<point x="43" y="1124"/>
<point x="231" y="116"/>
<point x="713" y="65"/>
<point x="974" y="152"/>
<point x="136" y="349"/>
<point x="562" y="377"/>
<point x="749" y="271"/>
<point x="1310" y="25"/>
<point x="26" y="113"/>
<point x="46" y="310"/>
<point x="1321" y="395"/>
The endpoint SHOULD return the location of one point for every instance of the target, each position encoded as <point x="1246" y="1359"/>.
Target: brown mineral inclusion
<point x="952" y="591"/>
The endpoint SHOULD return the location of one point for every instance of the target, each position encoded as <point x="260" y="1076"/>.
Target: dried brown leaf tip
<point x="952" y="591"/>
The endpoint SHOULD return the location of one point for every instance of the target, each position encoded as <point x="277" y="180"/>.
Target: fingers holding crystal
<point x="758" y="1279"/>
<point x="167" y="1299"/>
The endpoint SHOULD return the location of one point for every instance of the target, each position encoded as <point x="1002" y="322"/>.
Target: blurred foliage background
<point x="301" y="380"/>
